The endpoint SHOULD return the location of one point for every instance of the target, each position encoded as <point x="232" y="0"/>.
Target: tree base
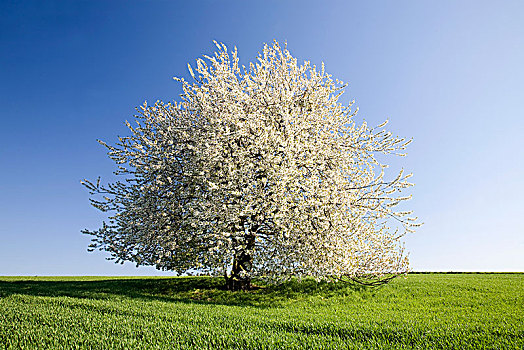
<point x="234" y="284"/>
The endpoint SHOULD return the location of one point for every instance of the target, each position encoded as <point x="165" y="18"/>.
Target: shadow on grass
<point x="204" y="290"/>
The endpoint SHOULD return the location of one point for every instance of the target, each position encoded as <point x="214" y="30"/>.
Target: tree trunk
<point x="240" y="278"/>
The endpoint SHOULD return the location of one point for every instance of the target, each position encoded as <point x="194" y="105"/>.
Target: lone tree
<point x="256" y="172"/>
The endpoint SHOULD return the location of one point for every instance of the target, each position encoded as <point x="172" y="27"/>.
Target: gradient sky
<point x="449" y="74"/>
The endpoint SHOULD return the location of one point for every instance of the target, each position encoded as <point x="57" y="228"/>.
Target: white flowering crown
<point x="257" y="166"/>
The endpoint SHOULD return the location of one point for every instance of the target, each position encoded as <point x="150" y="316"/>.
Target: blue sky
<point x="449" y="74"/>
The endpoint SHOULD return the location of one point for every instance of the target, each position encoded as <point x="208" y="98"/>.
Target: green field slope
<point x="424" y="311"/>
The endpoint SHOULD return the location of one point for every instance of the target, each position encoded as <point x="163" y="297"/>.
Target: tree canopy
<point x="257" y="171"/>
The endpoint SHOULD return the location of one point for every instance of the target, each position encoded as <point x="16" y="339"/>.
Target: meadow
<point x="422" y="311"/>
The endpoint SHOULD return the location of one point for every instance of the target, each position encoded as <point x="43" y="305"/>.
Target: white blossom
<point x="259" y="166"/>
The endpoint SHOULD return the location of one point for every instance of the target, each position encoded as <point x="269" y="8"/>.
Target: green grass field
<point x="424" y="311"/>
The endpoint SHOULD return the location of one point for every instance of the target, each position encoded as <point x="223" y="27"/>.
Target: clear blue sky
<point x="450" y="74"/>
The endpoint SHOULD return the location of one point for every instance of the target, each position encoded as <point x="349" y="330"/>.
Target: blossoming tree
<point x="260" y="172"/>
